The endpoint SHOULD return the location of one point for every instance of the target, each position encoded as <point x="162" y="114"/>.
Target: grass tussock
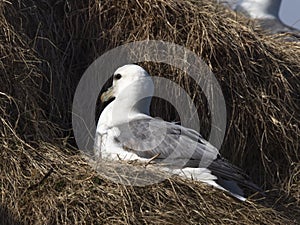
<point x="46" y="46"/>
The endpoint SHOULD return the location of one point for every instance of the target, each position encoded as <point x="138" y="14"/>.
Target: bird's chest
<point x="107" y="138"/>
<point x="110" y="148"/>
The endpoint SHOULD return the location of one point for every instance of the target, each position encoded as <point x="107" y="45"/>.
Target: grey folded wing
<point x="172" y="144"/>
<point x="177" y="147"/>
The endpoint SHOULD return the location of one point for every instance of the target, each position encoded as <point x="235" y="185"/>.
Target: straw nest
<point x="45" y="48"/>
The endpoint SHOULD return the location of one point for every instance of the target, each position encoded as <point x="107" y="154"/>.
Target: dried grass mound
<point x="46" y="46"/>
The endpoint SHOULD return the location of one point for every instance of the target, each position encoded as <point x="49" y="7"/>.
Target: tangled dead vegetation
<point x="45" y="48"/>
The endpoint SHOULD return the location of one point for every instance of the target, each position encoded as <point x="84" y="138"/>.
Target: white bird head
<point x="131" y="84"/>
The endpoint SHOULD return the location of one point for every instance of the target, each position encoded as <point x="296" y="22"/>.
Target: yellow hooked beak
<point x="106" y="96"/>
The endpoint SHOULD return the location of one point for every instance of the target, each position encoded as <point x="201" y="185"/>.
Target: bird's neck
<point x="136" y="97"/>
<point x="132" y="103"/>
<point x="118" y="112"/>
<point x="131" y="106"/>
<point x="262" y="9"/>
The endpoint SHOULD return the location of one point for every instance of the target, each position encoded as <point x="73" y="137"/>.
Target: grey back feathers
<point x="179" y="147"/>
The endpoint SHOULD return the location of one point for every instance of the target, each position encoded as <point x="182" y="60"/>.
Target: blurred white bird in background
<point x="266" y="13"/>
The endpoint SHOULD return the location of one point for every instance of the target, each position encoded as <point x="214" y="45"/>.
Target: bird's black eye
<point x="117" y="76"/>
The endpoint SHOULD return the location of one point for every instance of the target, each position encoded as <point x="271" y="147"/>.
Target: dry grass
<point x="46" y="46"/>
